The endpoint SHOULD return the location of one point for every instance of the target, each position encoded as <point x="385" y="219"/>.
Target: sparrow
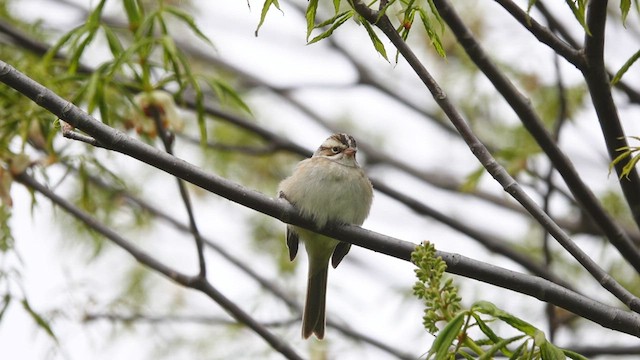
<point x="329" y="187"/>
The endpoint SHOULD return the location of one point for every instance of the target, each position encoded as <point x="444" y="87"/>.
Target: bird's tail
<point x="313" y="318"/>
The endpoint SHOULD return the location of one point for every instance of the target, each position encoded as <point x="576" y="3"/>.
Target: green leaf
<point x="377" y="44"/>
<point x="134" y="13"/>
<point x="573" y="355"/>
<point x="472" y="180"/>
<point x="445" y="338"/>
<point x="436" y="14"/>
<point x="486" y="329"/>
<point x="310" y="14"/>
<point x="74" y="58"/>
<point x="625" y="67"/>
<point x="265" y="10"/>
<point x="336" y="5"/>
<point x="519" y="350"/>
<point x="500" y="346"/>
<point x="488" y="308"/>
<point x="579" y="9"/>
<point x="6" y="300"/>
<point x="551" y="352"/>
<point x="189" y="21"/>
<point x="227" y="94"/>
<point x="625" y="5"/>
<point x="433" y="36"/>
<point x="338" y="20"/>
<point x="40" y="321"/>
<point x="628" y="168"/>
<point x="94" y="18"/>
<point x="171" y="55"/>
<point x="620" y="157"/>
<point x="92" y="91"/>
<point x="55" y="49"/>
<point x="115" y="46"/>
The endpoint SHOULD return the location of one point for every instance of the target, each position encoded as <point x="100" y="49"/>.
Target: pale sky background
<point x="359" y="295"/>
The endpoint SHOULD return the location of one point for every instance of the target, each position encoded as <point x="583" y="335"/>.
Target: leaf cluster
<point x="629" y="153"/>
<point x="144" y="57"/>
<point x="406" y="10"/>
<point x="442" y="304"/>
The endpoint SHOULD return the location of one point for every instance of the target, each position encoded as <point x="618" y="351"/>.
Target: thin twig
<point x="167" y="139"/>
<point x="548" y="180"/>
<point x="69" y="133"/>
<point x="545" y="35"/>
<point x="172" y="318"/>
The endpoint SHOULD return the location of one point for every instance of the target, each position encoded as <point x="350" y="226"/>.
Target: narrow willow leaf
<point x="103" y="107"/>
<point x="265" y="10"/>
<point x="573" y="355"/>
<point x="630" y="166"/>
<point x="312" y="9"/>
<point x="39" y="320"/>
<point x="500" y="346"/>
<point x="377" y="44"/>
<point x="436" y="14"/>
<point x="336" y="6"/>
<point x="472" y="180"/>
<point x="339" y="21"/>
<point x="445" y="338"/>
<point x="530" y="5"/>
<point x="115" y="46"/>
<point x="486" y="329"/>
<point x="94" y="18"/>
<point x="627" y="152"/>
<point x="551" y="352"/>
<point x="334" y="19"/>
<point x="171" y="57"/>
<point x="76" y="55"/>
<point x="6" y="300"/>
<point x="465" y="355"/>
<point x="433" y="36"/>
<point x="145" y="30"/>
<point x="189" y="21"/>
<point x="202" y="123"/>
<point x="55" y="49"/>
<point x="625" y="6"/>
<point x="134" y="13"/>
<point x="227" y="94"/>
<point x="579" y="9"/>
<point x="91" y="92"/>
<point x="488" y="308"/>
<point x="160" y="21"/>
<point x="519" y="350"/>
<point x="625" y="67"/>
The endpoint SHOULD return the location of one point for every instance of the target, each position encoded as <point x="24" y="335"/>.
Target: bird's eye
<point x="335" y="149"/>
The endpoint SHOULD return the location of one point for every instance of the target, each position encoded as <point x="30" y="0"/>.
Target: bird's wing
<point x="339" y="253"/>
<point x="292" y="242"/>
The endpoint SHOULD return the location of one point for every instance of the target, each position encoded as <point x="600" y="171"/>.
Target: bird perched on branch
<point x="328" y="187"/>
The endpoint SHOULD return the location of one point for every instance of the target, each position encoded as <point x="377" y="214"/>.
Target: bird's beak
<point x="350" y="151"/>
